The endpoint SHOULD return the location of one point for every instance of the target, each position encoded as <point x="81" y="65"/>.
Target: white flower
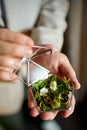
<point x="43" y="91"/>
<point x="53" y="85"/>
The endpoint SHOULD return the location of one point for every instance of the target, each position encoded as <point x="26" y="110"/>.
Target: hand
<point x="60" y="66"/>
<point x="13" y="46"/>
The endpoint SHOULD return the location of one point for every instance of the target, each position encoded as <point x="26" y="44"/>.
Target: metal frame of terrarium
<point x="30" y="59"/>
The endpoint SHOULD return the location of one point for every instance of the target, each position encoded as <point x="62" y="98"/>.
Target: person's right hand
<point x="13" y="46"/>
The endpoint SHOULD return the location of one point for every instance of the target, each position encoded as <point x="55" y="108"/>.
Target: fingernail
<point x="27" y="52"/>
<point x="29" y="42"/>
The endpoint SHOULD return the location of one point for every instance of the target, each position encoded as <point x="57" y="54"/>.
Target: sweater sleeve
<point x="52" y="23"/>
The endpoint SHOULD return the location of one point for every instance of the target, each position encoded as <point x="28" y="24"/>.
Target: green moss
<point x="53" y="99"/>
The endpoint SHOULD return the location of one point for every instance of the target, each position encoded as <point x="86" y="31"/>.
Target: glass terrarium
<point x="49" y="92"/>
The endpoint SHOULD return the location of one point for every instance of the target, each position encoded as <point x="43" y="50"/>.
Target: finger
<point x="61" y="65"/>
<point x="7" y="69"/>
<point x="48" y="115"/>
<point x="30" y="99"/>
<point x="15" y="37"/>
<point x="67" y="113"/>
<point x="34" y="112"/>
<point x="14" y="49"/>
<point x="69" y="72"/>
<point x="10" y="62"/>
<point x="6" y="76"/>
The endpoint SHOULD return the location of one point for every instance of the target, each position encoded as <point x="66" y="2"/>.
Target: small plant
<point x="53" y="93"/>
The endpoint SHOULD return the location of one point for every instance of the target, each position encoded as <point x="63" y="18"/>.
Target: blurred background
<point x="75" y="47"/>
